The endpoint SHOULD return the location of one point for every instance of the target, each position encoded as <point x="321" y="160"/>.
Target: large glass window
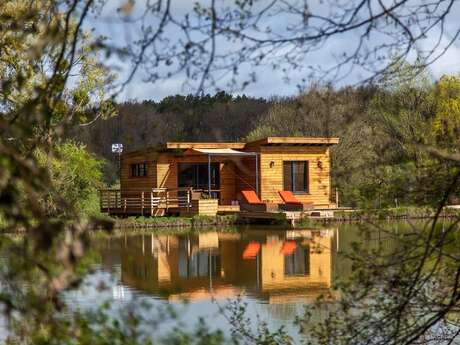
<point x="139" y="170"/>
<point x="295" y="176"/>
<point x="196" y="175"/>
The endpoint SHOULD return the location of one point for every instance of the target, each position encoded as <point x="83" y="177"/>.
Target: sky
<point x="269" y="82"/>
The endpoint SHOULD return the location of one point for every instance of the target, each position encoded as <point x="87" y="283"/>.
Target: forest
<point x="386" y="130"/>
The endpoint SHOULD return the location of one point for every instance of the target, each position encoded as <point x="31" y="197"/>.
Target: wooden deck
<point x="288" y="216"/>
<point x="161" y="201"/>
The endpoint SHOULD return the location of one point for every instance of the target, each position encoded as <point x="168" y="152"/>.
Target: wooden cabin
<point x="220" y="171"/>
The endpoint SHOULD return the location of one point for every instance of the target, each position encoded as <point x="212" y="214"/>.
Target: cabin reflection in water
<point x="276" y="267"/>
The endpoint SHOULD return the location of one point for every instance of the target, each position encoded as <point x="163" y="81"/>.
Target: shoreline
<point x="340" y="216"/>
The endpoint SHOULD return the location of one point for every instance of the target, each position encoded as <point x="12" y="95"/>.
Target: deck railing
<point x="144" y="202"/>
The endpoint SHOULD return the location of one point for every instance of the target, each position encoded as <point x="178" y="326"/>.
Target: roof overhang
<point x="295" y="141"/>
<point x="235" y="146"/>
<point x="189" y="145"/>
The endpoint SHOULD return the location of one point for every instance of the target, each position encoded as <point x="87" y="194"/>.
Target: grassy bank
<point x="132" y="223"/>
<point x="399" y="213"/>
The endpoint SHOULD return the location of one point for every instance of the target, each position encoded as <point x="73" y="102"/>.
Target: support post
<point x="209" y="176"/>
<point x="257" y="174"/>
<point x="142" y="203"/>
<point x="151" y="204"/>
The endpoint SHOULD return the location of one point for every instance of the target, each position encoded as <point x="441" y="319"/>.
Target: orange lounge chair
<point x="291" y="203"/>
<point x="252" y="203"/>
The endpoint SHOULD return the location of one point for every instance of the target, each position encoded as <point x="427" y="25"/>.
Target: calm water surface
<point x="276" y="272"/>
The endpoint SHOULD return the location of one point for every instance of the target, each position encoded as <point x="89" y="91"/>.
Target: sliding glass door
<point x="195" y="175"/>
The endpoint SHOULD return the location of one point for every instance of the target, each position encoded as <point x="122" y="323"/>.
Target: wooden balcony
<point x="154" y="202"/>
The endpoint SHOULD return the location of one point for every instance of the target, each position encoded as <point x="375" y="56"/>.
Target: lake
<point x="274" y="272"/>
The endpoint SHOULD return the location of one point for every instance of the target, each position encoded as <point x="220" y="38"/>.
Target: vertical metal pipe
<point x="143" y="244"/>
<point x="209" y="175"/>
<point x="257" y="174"/>
<point x="258" y="270"/>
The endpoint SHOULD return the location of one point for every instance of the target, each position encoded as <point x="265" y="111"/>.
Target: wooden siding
<point x="245" y="172"/>
<point x="129" y="183"/>
<point x="203" y="207"/>
<point x="272" y="179"/>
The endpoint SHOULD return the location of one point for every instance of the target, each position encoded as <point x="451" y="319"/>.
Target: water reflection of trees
<point x="403" y="288"/>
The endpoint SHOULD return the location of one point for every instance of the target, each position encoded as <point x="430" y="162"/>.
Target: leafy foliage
<point x="76" y="176"/>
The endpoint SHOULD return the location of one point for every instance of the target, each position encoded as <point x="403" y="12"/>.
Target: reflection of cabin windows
<point x="196" y="175"/>
<point x="140" y="270"/>
<point x="199" y="264"/>
<point x="139" y="170"/>
<point x="298" y="263"/>
<point x="295" y="174"/>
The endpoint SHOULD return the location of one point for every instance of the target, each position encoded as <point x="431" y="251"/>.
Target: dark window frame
<point x="293" y="184"/>
<point x="139" y="169"/>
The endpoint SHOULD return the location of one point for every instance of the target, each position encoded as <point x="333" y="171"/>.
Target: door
<point x="195" y="175"/>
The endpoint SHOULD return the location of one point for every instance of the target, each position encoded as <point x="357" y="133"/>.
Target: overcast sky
<point x="269" y="82"/>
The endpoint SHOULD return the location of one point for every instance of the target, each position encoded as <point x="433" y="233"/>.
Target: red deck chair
<point x="251" y="197"/>
<point x="252" y="203"/>
<point x="291" y="203"/>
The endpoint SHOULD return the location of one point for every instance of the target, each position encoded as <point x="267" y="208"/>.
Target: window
<point x="298" y="263"/>
<point x="139" y="170"/>
<point x="296" y="176"/>
<point x="196" y="175"/>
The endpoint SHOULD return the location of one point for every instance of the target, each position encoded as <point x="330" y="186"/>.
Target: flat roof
<point x="265" y="141"/>
<point x="205" y="145"/>
<point x="268" y="141"/>
<point x="295" y="141"/>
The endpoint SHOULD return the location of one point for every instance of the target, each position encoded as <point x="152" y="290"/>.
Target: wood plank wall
<point x="129" y="183"/>
<point x="319" y="172"/>
<point x="245" y="172"/>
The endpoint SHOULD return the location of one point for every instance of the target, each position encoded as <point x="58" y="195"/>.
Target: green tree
<point x="446" y="122"/>
<point x="76" y="176"/>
